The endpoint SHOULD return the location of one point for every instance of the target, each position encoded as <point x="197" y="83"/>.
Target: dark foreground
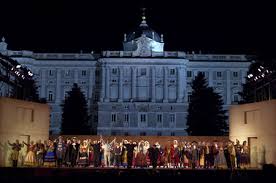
<point x="100" y="175"/>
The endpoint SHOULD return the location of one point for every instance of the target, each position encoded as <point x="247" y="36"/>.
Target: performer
<point x="232" y="152"/>
<point x="118" y="154"/>
<point x="40" y="150"/>
<point x="60" y="151"/>
<point x="16" y="147"/>
<point x="167" y="157"/>
<point x="130" y="147"/>
<point x="67" y="154"/>
<point x="194" y="156"/>
<point x="97" y="152"/>
<point x="227" y="155"/>
<point x="201" y="154"/>
<point x="153" y="154"/>
<point x="50" y="160"/>
<point x="83" y="154"/>
<point x="74" y="151"/>
<point x="124" y="154"/>
<point x="220" y="158"/>
<point x="106" y="147"/>
<point x="238" y="149"/>
<point x="30" y="157"/>
<point x="245" y="155"/>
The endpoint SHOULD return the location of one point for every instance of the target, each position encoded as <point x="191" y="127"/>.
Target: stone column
<point x="103" y="80"/>
<point x="43" y="84"/>
<point x="133" y="82"/>
<point x="228" y="87"/>
<point x="165" y="88"/>
<point x="76" y="76"/>
<point x="243" y="75"/>
<point x="58" y="86"/>
<point x="121" y="72"/>
<point x="153" y="84"/>
<point x="210" y="78"/>
<point x="91" y="82"/>
<point x="107" y="85"/>
<point x="181" y="84"/>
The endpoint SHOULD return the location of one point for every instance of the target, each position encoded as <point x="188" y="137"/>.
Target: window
<point x="189" y="74"/>
<point x="113" y="133"/>
<point x="51" y="73"/>
<point x="113" y="117"/>
<point x="219" y="83"/>
<point x="83" y="72"/>
<point x="159" y="108"/>
<point x="219" y="74"/>
<point x="126" y="107"/>
<point x="203" y="73"/>
<point x="67" y="82"/>
<point x="67" y="73"/>
<point x="114" y="71"/>
<point x="172" y="134"/>
<point x="159" y="133"/>
<point x="235" y="74"/>
<point x="143" y="71"/>
<point x="126" y="117"/>
<point x="83" y="82"/>
<point x="236" y="84"/>
<point x="235" y="98"/>
<point x="159" y="118"/>
<point x="172" y="71"/>
<point x="172" y="118"/>
<point x="143" y="118"/>
<point x="50" y="96"/>
<point x="114" y="80"/>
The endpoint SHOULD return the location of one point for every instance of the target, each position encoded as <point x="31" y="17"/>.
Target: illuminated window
<point x="172" y="71"/>
<point x="114" y="71"/>
<point x="143" y="71"/>
<point x="51" y="73"/>
<point x="113" y="117"/>
<point x="172" y="118"/>
<point x="50" y="96"/>
<point x="126" y="117"/>
<point x="83" y="72"/>
<point x="159" y="118"/>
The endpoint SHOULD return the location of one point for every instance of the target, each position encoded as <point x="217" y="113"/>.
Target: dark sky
<point x="224" y="26"/>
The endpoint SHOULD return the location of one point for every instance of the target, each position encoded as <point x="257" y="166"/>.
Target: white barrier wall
<point x="22" y="120"/>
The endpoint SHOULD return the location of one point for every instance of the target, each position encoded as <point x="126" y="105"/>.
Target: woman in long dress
<point x="83" y="154"/>
<point x="50" y="159"/>
<point x="220" y="160"/>
<point x="30" y="157"/>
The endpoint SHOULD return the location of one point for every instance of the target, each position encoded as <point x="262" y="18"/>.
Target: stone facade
<point x="142" y="90"/>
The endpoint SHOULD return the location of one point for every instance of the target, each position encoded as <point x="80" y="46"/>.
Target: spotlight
<point x="18" y="66"/>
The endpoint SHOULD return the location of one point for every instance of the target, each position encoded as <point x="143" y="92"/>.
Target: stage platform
<point x="133" y="175"/>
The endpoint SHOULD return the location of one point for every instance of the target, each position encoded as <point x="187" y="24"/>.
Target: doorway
<point x="253" y="147"/>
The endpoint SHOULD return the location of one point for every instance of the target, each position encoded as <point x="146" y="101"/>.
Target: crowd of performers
<point x="128" y="154"/>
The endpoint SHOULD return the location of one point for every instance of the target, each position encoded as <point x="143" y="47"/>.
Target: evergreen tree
<point x="206" y="116"/>
<point x="75" y="115"/>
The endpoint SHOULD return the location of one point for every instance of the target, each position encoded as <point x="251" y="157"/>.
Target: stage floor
<point x="140" y="175"/>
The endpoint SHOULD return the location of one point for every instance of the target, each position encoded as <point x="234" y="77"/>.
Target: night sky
<point x="224" y="26"/>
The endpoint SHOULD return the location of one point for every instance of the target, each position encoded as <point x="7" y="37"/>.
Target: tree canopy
<point x="206" y="116"/>
<point x="75" y="116"/>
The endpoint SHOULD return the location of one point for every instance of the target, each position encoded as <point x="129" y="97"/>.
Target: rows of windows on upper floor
<point x="143" y="71"/>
